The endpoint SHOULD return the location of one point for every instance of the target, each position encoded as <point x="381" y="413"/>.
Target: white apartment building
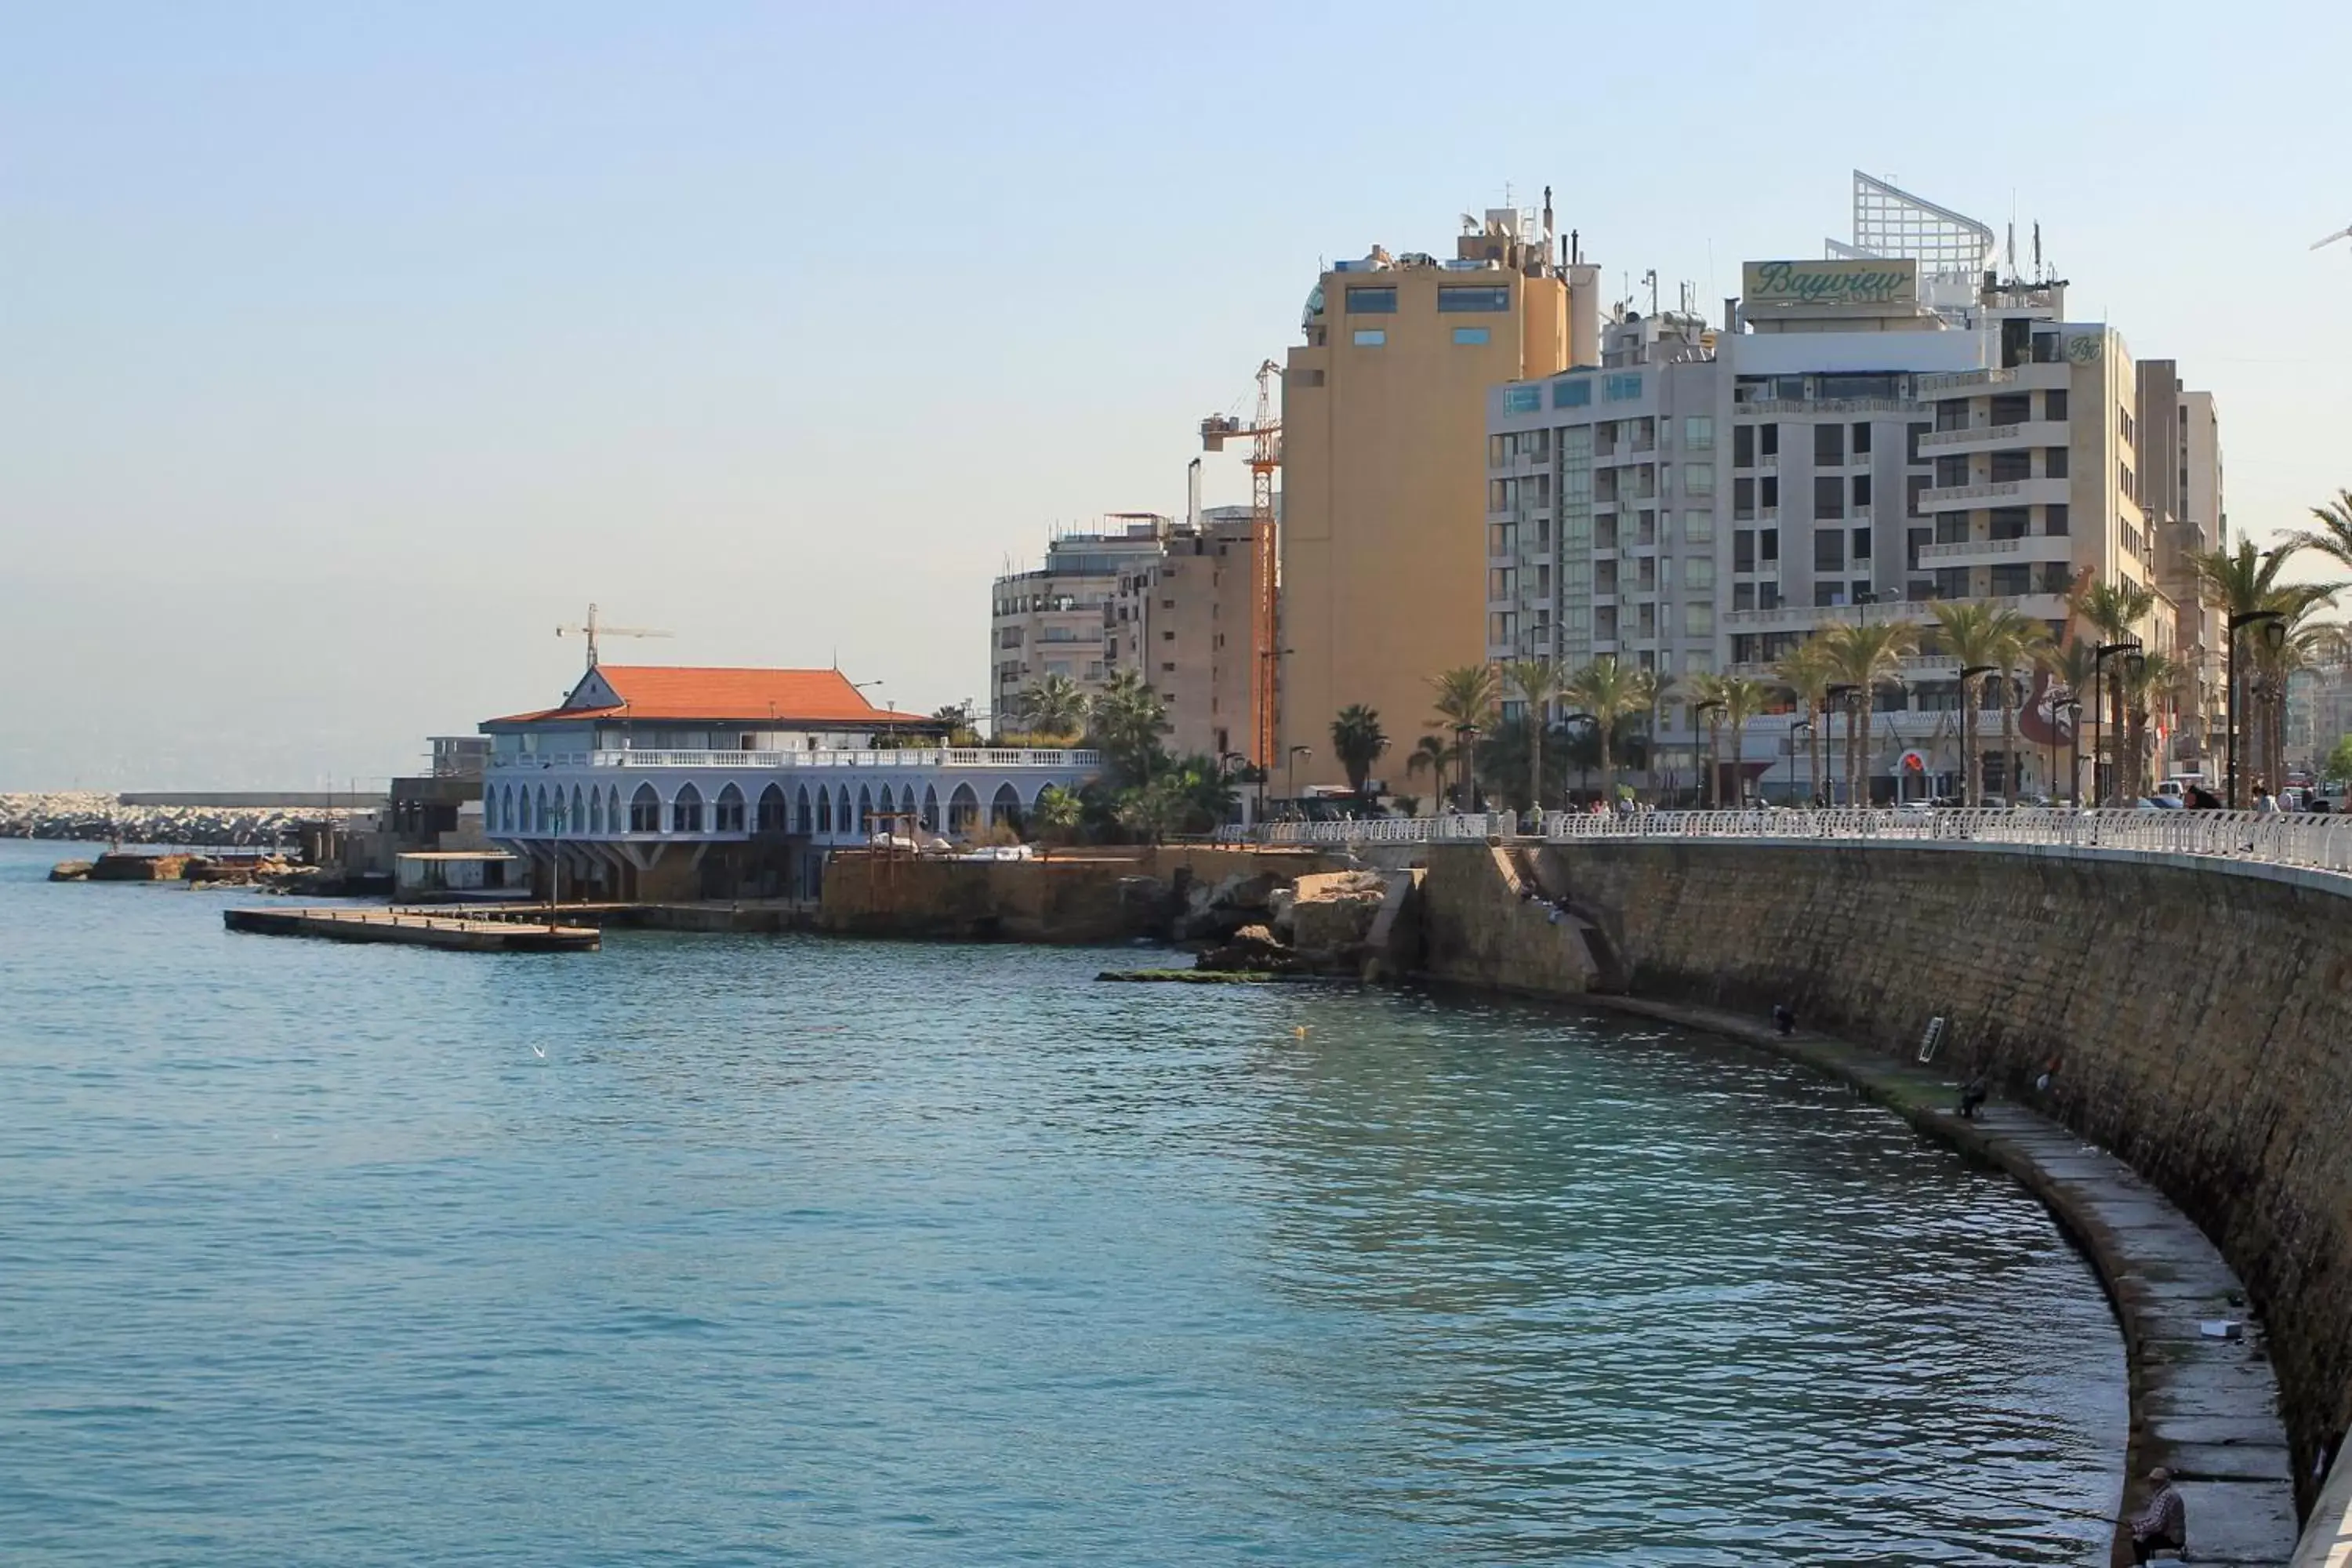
<point x="1865" y="434"/>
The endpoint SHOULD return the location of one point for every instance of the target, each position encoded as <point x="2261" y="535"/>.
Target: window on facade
<point x="1768" y="544"/>
<point x="1604" y="577"/>
<point x="1826" y="595"/>
<point x="1743" y="446"/>
<point x="1768" y="493"/>
<point x="1768" y="440"/>
<point x="1699" y="572"/>
<point x="1829" y="492"/>
<point x="1502" y="540"/>
<point x="1829" y="443"/>
<point x="1829" y="550"/>
<point x="1572" y="394"/>
<point x="1862" y="439"/>
<point x="1370" y="337"/>
<point x="1699" y="479"/>
<point x="1698" y="433"/>
<point x="1502" y="583"/>
<point x="1457" y="298"/>
<point x="1861" y="489"/>
<point x="2010" y="523"/>
<point x="1369" y="300"/>
<point x="1743" y="499"/>
<point x="1604" y="532"/>
<point x="2012" y="408"/>
<point x="1861" y="544"/>
<point x="1913" y="484"/>
<point x="1743" y="595"/>
<point x="2053" y="404"/>
<point x="1743" y="550"/>
<point x="1911" y="443"/>
<point x="2009" y="580"/>
<point x="645" y="810"/>
<point x="2053" y="463"/>
<point x="2008" y="467"/>
<point x="1469" y="337"/>
<point x="1951" y="471"/>
<point x="1698" y="619"/>
<point x="1914" y="540"/>
<point x="2054" y="521"/>
<point x="1645" y="574"/>
<point x="1698" y="528"/>
<point x="1623" y="387"/>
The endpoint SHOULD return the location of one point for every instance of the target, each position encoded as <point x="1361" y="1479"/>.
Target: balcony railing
<point x="951" y="757"/>
<point x="1961" y="380"/>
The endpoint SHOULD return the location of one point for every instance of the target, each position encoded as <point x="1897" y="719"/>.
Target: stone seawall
<point x="2200" y="1015"/>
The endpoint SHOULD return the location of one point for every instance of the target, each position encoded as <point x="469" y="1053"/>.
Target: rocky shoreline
<point x="92" y="817"/>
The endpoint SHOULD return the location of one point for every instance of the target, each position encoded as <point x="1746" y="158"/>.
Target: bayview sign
<point x="1892" y="281"/>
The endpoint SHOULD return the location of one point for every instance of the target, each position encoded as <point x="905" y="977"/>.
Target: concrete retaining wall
<point x="2200" y="1015"/>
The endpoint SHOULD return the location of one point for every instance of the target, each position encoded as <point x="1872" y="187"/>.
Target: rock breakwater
<point x="91" y="816"/>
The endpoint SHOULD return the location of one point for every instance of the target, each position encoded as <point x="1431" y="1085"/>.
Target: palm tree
<point x="2140" y="683"/>
<point x="1866" y="657"/>
<point x="2113" y="610"/>
<point x="1538" y="681"/>
<point x="1970" y="633"/>
<point x="1358" y="741"/>
<point x="1431" y="753"/>
<point x="1606" y="691"/>
<point x="1466" y="701"/>
<point x="2246" y="583"/>
<point x="2306" y="642"/>
<point x="1055" y="706"/>
<point x="1126" y="720"/>
<point x="1805" y="672"/>
<point x="2333" y="536"/>
<point x="1742" y="700"/>
<point x="2017" y="641"/>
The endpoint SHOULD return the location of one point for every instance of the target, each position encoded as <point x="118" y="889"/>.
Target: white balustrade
<point x="955" y="757"/>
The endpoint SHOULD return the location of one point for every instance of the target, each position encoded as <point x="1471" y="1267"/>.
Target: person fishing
<point x="2164" y="1522"/>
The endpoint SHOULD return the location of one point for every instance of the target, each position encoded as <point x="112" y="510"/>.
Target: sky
<point x="346" y="352"/>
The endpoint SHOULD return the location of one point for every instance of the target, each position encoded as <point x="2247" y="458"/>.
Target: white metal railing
<point x="1959" y="548"/>
<point x="2314" y="840"/>
<point x="953" y="757"/>
<point x="1967" y="433"/>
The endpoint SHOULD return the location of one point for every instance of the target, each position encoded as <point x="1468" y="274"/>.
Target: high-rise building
<point x="1383" y="584"/>
<point x="1056" y="619"/>
<point x="2181" y="489"/>
<point x="1865" y="434"/>
<point x="1183" y="620"/>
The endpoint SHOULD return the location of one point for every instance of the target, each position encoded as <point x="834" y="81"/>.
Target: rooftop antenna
<point x="2037" y="250"/>
<point x="593" y="628"/>
<point x="1547" y="215"/>
<point x="1651" y="278"/>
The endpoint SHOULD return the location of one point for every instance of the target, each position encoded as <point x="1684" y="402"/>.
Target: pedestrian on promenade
<point x="1784" y="1019"/>
<point x="2203" y="799"/>
<point x="2164" y="1522"/>
<point x="2266" y="803"/>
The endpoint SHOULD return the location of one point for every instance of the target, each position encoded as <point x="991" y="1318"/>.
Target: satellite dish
<point x="2340" y="233"/>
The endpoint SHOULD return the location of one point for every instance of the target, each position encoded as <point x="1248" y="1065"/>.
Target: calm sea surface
<point x="799" y="1251"/>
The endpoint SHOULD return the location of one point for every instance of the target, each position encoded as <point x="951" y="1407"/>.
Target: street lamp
<point x="1812" y="784"/>
<point x="2273" y="625"/>
<point x="1465" y="737"/>
<point x="1969" y="720"/>
<point x="2072" y="708"/>
<point x="1225" y="758"/>
<point x="1714" y="762"/>
<point x="1290" y="772"/>
<point x="1842" y="696"/>
<point x="2098" y="666"/>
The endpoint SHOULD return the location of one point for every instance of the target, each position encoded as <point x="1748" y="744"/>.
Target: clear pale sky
<point x="345" y="351"/>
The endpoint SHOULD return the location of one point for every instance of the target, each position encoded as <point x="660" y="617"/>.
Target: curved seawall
<point x="2197" y="1012"/>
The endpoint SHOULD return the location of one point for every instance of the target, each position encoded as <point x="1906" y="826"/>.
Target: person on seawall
<point x="2164" y="1522"/>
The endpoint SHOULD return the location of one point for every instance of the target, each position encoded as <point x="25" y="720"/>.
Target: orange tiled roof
<point x="729" y="696"/>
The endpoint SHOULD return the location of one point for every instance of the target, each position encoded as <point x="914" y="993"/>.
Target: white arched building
<point x="669" y="783"/>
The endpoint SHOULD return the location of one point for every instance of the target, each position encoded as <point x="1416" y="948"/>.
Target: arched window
<point x="907" y="801"/>
<point x="841" y="808"/>
<point x="963" y="810"/>
<point x="685" y="810"/>
<point x="539" y="821"/>
<point x="930" y="808"/>
<point x="806" y="817"/>
<point x="613" y="807"/>
<point x="1004" y="811"/>
<point x="505" y="809"/>
<point x="578" y="821"/>
<point x="595" y="811"/>
<point x="865" y="810"/>
<point x="771" y="809"/>
<point x="645" y="810"/>
<point x="824" y="811"/>
<point x="726" y="811"/>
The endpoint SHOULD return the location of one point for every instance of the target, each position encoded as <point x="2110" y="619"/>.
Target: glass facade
<point x="1452" y="299"/>
<point x="1577" y="394"/>
<point x="1364" y="299"/>
<point x="1469" y="337"/>
<point x="1576" y="545"/>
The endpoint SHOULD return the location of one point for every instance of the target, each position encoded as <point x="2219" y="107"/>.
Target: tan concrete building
<point x="1183" y="620"/>
<point x="2180" y="490"/>
<point x="1383" y="466"/>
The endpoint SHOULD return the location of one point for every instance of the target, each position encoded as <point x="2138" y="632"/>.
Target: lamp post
<point x="1290" y="772"/>
<point x="2098" y="669"/>
<point x="1226" y="758"/>
<point x="1843" y="695"/>
<point x="1971" y="718"/>
<point x="1812" y="784"/>
<point x="2072" y="708"/>
<point x="2273" y="625"/>
<point x="1466" y="739"/>
<point x="1713" y="796"/>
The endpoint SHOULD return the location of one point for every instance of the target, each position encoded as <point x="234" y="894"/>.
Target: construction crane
<point x="592" y="629"/>
<point x="1265" y="431"/>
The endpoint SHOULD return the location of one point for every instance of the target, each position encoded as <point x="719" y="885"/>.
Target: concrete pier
<point x="416" y="930"/>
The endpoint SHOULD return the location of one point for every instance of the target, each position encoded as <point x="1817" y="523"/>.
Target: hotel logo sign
<point x="1892" y="281"/>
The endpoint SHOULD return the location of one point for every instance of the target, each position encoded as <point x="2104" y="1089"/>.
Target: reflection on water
<point x="793" y="1251"/>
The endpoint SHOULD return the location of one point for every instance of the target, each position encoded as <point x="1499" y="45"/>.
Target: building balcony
<point x="1985" y="437"/>
<point x="1997" y="551"/>
<point x="1996" y="493"/>
<point x="906" y="758"/>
